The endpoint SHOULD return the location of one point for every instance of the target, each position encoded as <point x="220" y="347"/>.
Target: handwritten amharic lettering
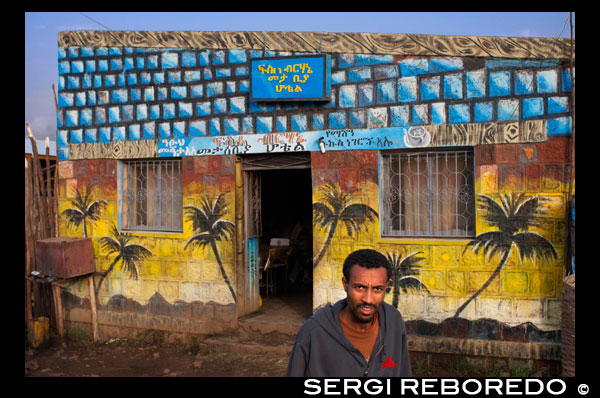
<point x="300" y="74"/>
<point x="291" y="137"/>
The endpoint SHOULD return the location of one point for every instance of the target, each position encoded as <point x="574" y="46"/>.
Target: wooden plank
<point x="39" y="188"/>
<point x="93" y="308"/>
<point x="329" y="42"/>
<point x="58" y="309"/>
<point x="240" y="264"/>
<point x="28" y="244"/>
<point x="55" y="195"/>
<point x="55" y="204"/>
<point x="49" y="201"/>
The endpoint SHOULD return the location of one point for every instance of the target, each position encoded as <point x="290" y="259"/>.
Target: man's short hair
<point x="367" y="258"/>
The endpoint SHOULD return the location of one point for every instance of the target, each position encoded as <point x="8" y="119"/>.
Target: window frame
<point x="385" y="218"/>
<point x="123" y="217"/>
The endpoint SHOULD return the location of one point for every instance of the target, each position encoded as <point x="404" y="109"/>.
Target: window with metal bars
<point x="152" y="197"/>
<point x="428" y="193"/>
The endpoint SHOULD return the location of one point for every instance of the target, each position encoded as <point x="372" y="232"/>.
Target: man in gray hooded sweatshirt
<point x="360" y="335"/>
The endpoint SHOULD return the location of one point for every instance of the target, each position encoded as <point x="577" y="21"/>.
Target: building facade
<point x="451" y="155"/>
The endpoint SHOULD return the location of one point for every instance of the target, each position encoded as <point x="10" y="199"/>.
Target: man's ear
<point x="345" y="283"/>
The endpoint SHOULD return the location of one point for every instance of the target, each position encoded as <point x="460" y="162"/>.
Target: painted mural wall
<point x="138" y="99"/>
<point x="186" y="277"/>
<point x="511" y="271"/>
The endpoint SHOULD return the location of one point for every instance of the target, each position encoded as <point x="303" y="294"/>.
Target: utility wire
<point x="91" y="19"/>
<point x="104" y="26"/>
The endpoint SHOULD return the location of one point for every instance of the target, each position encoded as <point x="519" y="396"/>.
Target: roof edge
<point x="328" y="42"/>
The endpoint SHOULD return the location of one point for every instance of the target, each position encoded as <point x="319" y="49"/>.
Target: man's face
<point x="365" y="291"/>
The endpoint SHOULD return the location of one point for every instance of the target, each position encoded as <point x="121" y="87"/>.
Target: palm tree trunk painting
<point x="404" y="270"/>
<point x="128" y="253"/>
<point x="213" y="246"/>
<point x="328" y="239"/>
<point x="209" y="228"/>
<point x="512" y="214"/>
<point x="486" y="284"/>
<point x="108" y="271"/>
<point x="336" y="207"/>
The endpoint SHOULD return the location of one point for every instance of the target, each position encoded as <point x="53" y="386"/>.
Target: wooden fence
<point x="41" y="222"/>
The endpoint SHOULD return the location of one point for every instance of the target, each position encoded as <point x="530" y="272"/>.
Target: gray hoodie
<point x="322" y="350"/>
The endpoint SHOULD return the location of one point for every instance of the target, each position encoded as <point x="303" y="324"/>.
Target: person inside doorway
<point x="360" y="335"/>
<point x="301" y="256"/>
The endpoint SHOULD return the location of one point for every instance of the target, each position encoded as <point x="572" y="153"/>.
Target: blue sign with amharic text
<point x="306" y="78"/>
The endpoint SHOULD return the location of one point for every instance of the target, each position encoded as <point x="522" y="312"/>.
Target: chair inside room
<point x="276" y="264"/>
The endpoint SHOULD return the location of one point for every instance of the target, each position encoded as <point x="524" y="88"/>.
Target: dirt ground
<point x="149" y="355"/>
<point x="134" y="358"/>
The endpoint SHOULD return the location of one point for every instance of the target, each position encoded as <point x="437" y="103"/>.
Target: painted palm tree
<point x="403" y="271"/>
<point x="127" y="253"/>
<point x="335" y="207"/>
<point x="513" y="214"/>
<point x="209" y="228"/>
<point x="83" y="209"/>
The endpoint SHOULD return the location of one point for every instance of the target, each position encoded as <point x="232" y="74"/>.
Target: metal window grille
<point x="428" y="194"/>
<point x="152" y="197"/>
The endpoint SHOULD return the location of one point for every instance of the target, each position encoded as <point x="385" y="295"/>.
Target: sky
<point x="42" y="29"/>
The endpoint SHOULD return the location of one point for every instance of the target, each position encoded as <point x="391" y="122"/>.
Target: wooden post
<point x="28" y="313"/>
<point x="39" y="188"/>
<point x="240" y="265"/>
<point x="28" y="244"/>
<point x="93" y="308"/>
<point x="55" y="98"/>
<point x="56" y="214"/>
<point x="59" y="314"/>
<point x="49" y="191"/>
<point x="55" y="203"/>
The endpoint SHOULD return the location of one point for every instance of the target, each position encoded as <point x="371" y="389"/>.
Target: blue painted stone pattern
<point x="115" y="93"/>
<point x="533" y="107"/>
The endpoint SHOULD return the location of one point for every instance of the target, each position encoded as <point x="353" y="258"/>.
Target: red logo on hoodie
<point x="388" y="363"/>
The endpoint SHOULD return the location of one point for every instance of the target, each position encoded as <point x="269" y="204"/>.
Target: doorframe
<point x="279" y="162"/>
<point x="240" y="263"/>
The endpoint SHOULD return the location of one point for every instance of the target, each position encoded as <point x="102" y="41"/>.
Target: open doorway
<point x="286" y="208"/>
<point x="278" y="191"/>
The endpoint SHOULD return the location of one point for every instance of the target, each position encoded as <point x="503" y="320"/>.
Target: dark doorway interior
<point x="286" y="208"/>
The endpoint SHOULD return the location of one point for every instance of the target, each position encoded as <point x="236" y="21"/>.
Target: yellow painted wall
<point x="176" y="273"/>
<point x="525" y="291"/>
